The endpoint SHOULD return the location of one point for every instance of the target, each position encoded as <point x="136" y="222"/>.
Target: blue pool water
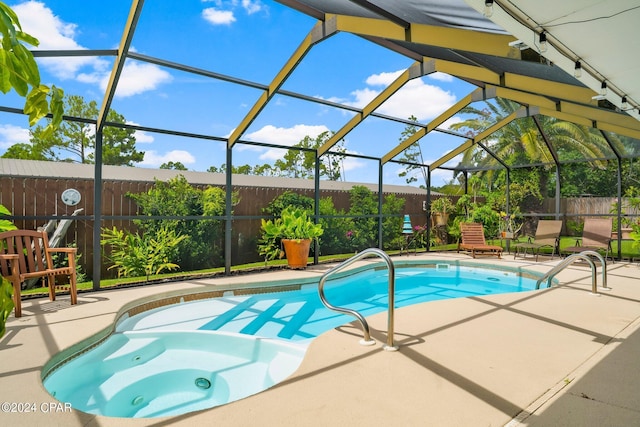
<point x="197" y="355"/>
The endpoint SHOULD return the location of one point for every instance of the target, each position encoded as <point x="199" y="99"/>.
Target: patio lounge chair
<point x="472" y="239"/>
<point x="25" y="254"/>
<point x="547" y="236"/>
<point x="596" y="236"/>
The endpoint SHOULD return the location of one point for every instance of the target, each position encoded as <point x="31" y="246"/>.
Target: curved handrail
<point x="585" y="255"/>
<point x="365" y="326"/>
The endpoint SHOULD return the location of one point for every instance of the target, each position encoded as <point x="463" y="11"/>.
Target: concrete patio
<point x="558" y="356"/>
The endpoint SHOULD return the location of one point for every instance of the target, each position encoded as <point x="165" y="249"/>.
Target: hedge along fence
<point x="35" y="200"/>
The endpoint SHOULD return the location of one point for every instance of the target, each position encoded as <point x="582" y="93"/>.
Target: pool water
<point x="197" y="355"/>
<point x="300" y="315"/>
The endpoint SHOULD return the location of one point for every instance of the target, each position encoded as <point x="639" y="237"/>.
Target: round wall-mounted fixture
<point x="70" y="197"/>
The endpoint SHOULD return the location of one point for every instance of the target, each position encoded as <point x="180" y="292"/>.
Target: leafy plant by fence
<point x="133" y="254"/>
<point x="201" y="241"/>
<point x="355" y="229"/>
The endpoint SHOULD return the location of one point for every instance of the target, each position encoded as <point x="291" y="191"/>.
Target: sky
<point x="249" y="40"/>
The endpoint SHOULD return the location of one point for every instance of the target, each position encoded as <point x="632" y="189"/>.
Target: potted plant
<point x="440" y="210"/>
<point x="289" y="235"/>
<point x="509" y="227"/>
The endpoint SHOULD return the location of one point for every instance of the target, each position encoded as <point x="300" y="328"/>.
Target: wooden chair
<point x="472" y="239"/>
<point x="25" y="254"/>
<point x="596" y="236"/>
<point x="547" y="236"/>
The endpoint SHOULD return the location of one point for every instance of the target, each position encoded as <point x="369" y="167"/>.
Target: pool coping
<point x="595" y="335"/>
<point x="247" y="288"/>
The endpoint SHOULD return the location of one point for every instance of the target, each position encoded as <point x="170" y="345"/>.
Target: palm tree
<point x="520" y="142"/>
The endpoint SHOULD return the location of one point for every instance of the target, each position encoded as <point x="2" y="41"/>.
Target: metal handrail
<point x="366" y="340"/>
<point x="585" y="255"/>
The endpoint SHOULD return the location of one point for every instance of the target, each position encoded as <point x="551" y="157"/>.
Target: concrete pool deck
<point x="558" y="356"/>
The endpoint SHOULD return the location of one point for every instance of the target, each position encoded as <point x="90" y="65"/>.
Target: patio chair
<point x="472" y="239"/>
<point x="547" y="236"/>
<point x="596" y="236"/>
<point x="25" y="254"/>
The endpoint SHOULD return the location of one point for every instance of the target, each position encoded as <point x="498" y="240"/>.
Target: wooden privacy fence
<point x="35" y="200"/>
<point x="582" y="206"/>
<point x="576" y="208"/>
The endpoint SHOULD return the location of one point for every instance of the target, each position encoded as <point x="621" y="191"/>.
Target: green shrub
<point x="489" y="218"/>
<point x="336" y="225"/>
<point x="204" y="238"/>
<point x="136" y="255"/>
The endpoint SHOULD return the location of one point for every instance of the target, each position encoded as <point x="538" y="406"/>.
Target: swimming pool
<point x="195" y="355"/>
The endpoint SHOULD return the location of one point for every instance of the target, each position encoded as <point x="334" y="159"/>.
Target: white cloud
<point x="281" y="136"/>
<point x="141" y="136"/>
<point x="135" y="79"/>
<point x="54" y="34"/>
<point x="352" y="163"/>
<point x="10" y="135"/>
<point x="441" y="77"/>
<point x="251" y="6"/>
<point x="154" y="159"/>
<point x="440" y="177"/>
<point x="218" y="17"/>
<point x="383" y="79"/>
<point x="450" y="121"/>
<point x="223" y="12"/>
<point x="416" y="98"/>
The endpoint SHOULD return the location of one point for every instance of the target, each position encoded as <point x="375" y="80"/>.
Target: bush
<point x="352" y="231"/>
<point x="334" y="240"/>
<point x="203" y="239"/>
<point x="135" y="255"/>
<point x="489" y="218"/>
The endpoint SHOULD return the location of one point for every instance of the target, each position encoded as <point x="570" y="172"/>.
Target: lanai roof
<point x="499" y="54"/>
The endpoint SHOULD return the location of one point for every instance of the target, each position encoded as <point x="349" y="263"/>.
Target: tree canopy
<point x="75" y="141"/>
<point x="413" y="157"/>
<point x="298" y="161"/>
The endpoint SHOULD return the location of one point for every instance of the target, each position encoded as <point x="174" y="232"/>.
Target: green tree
<point x="412" y="155"/>
<point x="26" y="151"/>
<point x="260" y="170"/>
<point x="118" y="143"/>
<point x="178" y="166"/>
<point x="75" y="141"/>
<point x="299" y="162"/>
<point x="19" y="71"/>
<point x="520" y="143"/>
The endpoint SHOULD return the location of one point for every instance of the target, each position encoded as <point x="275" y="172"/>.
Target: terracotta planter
<point x="440" y="219"/>
<point x="626" y="234"/>
<point x="297" y="252"/>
